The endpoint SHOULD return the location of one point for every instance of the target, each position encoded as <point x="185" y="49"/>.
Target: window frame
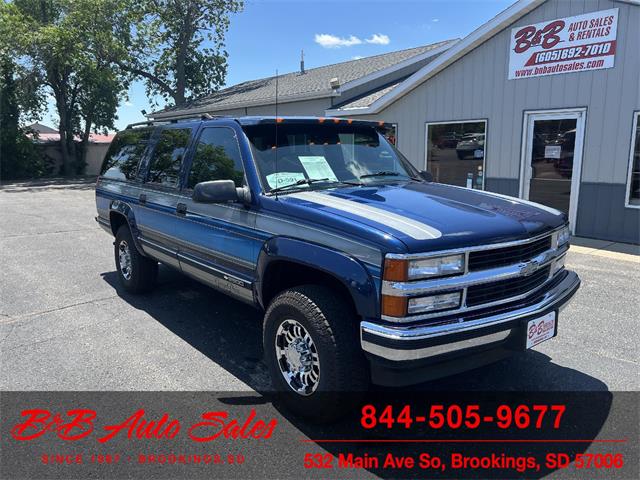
<point x="150" y="153"/>
<point x="184" y="187"/>
<point x="634" y="134"/>
<point x="486" y="143"/>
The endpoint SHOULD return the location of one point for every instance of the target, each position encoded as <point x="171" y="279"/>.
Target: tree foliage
<point x="48" y="39"/>
<point x="177" y="47"/>
<point x="19" y="157"/>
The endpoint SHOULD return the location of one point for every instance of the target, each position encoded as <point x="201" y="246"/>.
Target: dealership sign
<point x="565" y="45"/>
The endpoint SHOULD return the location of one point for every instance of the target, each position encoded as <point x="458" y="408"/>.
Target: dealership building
<point x="542" y="102"/>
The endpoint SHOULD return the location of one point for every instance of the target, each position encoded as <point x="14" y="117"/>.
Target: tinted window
<point x="124" y="154"/>
<point x="455" y="153"/>
<point x="167" y="157"/>
<point x="217" y="157"/>
<point x="634" y="188"/>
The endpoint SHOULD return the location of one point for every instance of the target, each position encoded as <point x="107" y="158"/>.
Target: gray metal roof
<point x="313" y="83"/>
<point x="364" y="102"/>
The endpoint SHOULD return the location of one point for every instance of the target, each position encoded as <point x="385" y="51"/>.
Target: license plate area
<point x="541" y="329"/>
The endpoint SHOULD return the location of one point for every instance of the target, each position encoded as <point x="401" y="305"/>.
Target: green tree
<point x="49" y="39"/>
<point x="19" y="158"/>
<point x="177" y="47"/>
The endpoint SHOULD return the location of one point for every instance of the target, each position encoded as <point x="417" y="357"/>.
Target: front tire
<point x="136" y="272"/>
<point x="313" y="352"/>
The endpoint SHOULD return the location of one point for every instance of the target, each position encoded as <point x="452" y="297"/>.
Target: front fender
<point x="346" y="269"/>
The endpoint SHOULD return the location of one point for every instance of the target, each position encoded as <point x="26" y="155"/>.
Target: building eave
<point x="460" y="49"/>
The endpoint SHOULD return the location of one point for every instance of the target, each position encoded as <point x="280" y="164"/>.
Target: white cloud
<point x="378" y="39"/>
<point x="327" y="40"/>
<point x="435" y="20"/>
<point x="357" y="57"/>
<point x="128" y="104"/>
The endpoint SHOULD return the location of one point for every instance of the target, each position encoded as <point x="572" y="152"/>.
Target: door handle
<point x="181" y="209"/>
<point x="143" y="198"/>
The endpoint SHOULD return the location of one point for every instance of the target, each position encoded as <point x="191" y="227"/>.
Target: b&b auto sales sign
<point x="565" y="45"/>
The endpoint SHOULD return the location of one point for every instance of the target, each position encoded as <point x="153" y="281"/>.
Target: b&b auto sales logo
<point x="79" y="424"/>
<point x="565" y="45"/>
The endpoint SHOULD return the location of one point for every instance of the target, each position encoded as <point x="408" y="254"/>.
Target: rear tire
<point x="313" y="352"/>
<point x="136" y="272"/>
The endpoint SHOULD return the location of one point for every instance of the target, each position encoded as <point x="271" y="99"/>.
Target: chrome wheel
<point x="297" y="357"/>
<point x="124" y="259"/>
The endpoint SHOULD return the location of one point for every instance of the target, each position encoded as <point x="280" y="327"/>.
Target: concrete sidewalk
<point x="603" y="248"/>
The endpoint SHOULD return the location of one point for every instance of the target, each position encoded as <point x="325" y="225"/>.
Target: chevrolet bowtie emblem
<point x="528" y="268"/>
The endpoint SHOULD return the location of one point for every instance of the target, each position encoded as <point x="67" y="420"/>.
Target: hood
<point x="431" y="216"/>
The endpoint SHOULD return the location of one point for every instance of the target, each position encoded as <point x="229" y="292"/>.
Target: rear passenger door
<point x="159" y="199"/>
<point x="217" y="243"/>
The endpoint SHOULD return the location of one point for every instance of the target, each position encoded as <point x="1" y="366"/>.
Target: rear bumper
<point x="405" y="354"/>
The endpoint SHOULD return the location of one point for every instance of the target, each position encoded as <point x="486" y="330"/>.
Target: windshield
<point x="324" y="156"/>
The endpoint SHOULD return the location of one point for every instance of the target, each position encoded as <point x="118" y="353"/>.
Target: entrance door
<point x="552" y="159"/>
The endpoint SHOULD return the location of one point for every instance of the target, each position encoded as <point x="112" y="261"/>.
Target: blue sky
<point x="269" y="35"/>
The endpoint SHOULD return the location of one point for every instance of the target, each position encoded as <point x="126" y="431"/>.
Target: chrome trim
<point x="556" y="297"/>
<point x="420" y="353"/>
<point x="477" y="248"/>
<point x="423" y="287"/>
<point x="213" y="270"/>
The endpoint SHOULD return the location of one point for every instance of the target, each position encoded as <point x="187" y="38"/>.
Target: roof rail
<point x="176" y="119"/>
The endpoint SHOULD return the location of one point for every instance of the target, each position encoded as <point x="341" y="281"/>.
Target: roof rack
<point x="176" y="119"/>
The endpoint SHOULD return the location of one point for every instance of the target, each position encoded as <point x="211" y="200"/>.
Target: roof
<point x="367" y="100"/>
<point x="55" y="137"/>
<point x="40" y="128"/>
<point x="314" y="83"/>
<point x="457" y="51"/>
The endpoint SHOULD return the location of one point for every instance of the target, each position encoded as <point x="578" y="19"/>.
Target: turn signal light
<point x="395" y="270"/>
<point x="394" y="306"/>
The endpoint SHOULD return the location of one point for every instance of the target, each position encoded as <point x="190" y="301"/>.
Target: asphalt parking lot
<point x="66" y="325"/>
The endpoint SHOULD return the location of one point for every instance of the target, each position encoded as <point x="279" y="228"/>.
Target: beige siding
<point x="307" y="107"/>
<point x="476" y="87"/>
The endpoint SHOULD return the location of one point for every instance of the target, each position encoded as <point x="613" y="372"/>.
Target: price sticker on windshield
<point x="317" y="167"/>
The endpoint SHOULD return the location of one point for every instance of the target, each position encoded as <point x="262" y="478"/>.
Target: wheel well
<point x="117" y="220"/>
<point x="281" y="275"/>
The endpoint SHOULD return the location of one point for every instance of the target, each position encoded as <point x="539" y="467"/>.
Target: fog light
<point x="433" y="303"/>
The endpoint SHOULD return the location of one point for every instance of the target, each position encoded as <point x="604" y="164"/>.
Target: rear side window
<point x="164" y="168"/>
<point x="217" y="157"/>
<point x="124" y="154"/>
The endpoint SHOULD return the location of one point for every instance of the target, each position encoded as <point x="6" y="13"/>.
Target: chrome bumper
<point x="404" y="342"/>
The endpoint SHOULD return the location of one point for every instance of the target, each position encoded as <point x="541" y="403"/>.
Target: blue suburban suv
<point x="367" y="271"/>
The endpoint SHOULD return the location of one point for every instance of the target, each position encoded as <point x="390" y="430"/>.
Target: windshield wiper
<point x="381" y="173"/>
<point x="302" y="181"/>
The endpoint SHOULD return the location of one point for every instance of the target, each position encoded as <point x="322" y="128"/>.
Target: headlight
<point x="434" y="303"/>
<point x="563" y="236"/>
<point x="402" y="270"/>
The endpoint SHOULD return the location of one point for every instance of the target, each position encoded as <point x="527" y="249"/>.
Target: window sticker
<point x="317" y="167"/>
<point x="281" y="179"/>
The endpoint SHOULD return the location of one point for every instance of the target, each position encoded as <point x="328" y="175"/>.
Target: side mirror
<point x="426" y="176"/>
<point x="215" y="191"/>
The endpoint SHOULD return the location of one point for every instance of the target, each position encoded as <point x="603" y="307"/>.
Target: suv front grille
<point x="505" y="289"/>
<point x="500" y="257"/>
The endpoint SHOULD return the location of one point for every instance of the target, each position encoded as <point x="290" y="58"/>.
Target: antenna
<point x="276" y="144"/>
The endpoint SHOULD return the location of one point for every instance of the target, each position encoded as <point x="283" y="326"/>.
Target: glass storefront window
<point x="455" y="152"/>
<point x="633" y="195"/>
